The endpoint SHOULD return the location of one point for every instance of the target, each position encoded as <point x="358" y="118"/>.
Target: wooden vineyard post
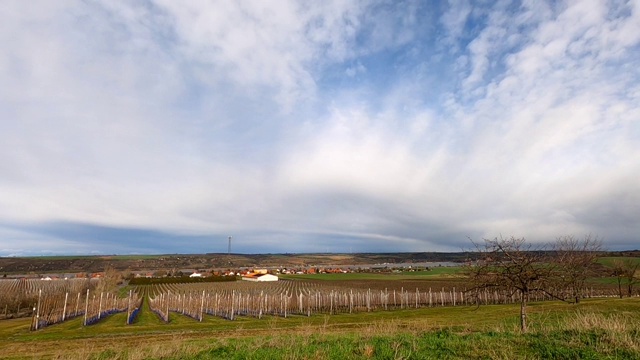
<point x="202" y="307"/>
<point x="190" y="306"/>
<point x="233" y="295"/>
<point x="100" y="306"/>
<point x="182" y="304"/>
<point x="38" y="309"/>
<point x="86" y="308"/>
<point x="166" y="315"/>
<point x="417" y="294"/>
<point x="33" y="317"/>
<point x="187" y="309"/>
<point x="64" y="309"/>
<point x="386" y="298"/>
<point x="300" y="309"/>
<point x="286" y="303"/>
<point x="331" y="303"/>
<point x="454" y="296"/>
<point x="395" y="304"/>
<point x="129" y="307"/>
<point x="216" y="303"/>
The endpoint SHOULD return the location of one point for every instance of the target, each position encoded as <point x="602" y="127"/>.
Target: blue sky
<point x="294" y="126"/>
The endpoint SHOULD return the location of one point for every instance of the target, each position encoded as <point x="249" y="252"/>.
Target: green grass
<point x="610" y="260"/>
<point x="441" y="270"/>
<point x="404" y="275"/>
<point x="611" y="280"/>
<point x="596" y="328"/>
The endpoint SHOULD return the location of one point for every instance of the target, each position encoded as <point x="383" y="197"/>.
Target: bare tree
<point x="511" y="265"/>
<point x="625" y="272"/>
<point x="576" y="259"/>
<point x="109" y="281"/>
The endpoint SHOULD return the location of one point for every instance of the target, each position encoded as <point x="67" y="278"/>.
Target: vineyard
<point x="51" y="302"/>
<point x="306" y="298"/>
<point x="18" y="296"/>
<point x="54" y="301"/>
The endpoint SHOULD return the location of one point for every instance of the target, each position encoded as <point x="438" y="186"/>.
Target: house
<point x="259" y="277"/>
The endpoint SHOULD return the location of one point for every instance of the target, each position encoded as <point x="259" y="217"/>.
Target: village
<point x="243" y="273"/>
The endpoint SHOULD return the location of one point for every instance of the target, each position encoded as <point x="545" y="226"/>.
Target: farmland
<point x="43" y="264"/>
<point x="595" y="328"/>
<point x="397" y="314"/>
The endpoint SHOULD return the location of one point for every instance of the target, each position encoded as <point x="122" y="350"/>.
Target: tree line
<point x="180" y="280"/>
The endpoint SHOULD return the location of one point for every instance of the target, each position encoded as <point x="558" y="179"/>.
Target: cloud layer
<point x="297" y="127"/>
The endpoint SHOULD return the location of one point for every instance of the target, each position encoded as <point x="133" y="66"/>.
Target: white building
<point x="260" y="277"/>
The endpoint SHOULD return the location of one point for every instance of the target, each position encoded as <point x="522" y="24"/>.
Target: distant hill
<point x="71" y="264"/>
<point x="209" y="261"/>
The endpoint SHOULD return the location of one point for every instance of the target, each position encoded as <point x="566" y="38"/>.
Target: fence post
<point x="100" y="306"/>
<point x="38" y="309"/>
<point x="86" y="308"/>
<point x="64" y="309"/>
<point x="168" y="297"/>
<point x="454" y="296"/>
<point x="129" y="307"/>
<point x="386" y="298"/>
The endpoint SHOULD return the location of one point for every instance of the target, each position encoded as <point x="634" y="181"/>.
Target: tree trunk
<point x="524" y="297"/>
<point x="620" y="287"/>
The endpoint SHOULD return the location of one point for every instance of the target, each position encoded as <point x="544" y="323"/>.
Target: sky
<point x="316" y="126"/>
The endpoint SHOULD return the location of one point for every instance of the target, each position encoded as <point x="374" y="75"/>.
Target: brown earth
<point x="39" y="265"/>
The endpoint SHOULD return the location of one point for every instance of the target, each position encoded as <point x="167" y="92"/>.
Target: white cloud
<point x="455" y="19"/>
<point x="296" y="120"/>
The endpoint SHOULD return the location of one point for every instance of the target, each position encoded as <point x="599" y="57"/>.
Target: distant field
<point x="60" y="257"/>
<point x="94" y="263"/>
<point x="609" y="261"/>
<point x="102" y="257"/>
<point x="404" y="275"/>
<point x="133" y="257"/>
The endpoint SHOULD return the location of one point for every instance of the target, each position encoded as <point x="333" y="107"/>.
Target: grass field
<point x="609" y="260"/>
<point x="603" y="328"/>
<point x="594" y="329"/>
<point x="404" y="275"/>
